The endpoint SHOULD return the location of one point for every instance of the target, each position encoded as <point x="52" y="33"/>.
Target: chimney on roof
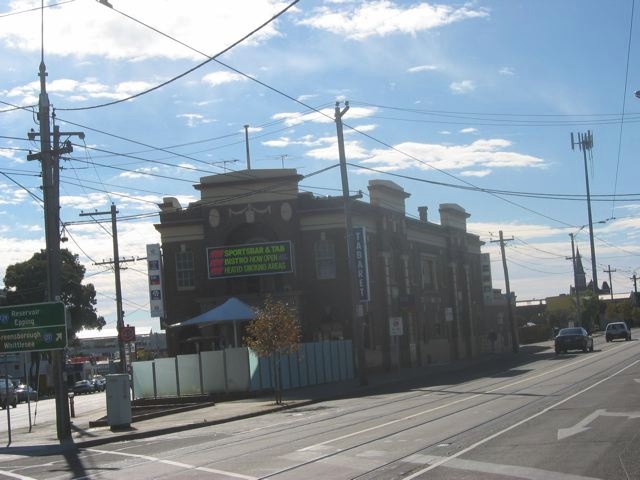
<point x="422" y="212"/>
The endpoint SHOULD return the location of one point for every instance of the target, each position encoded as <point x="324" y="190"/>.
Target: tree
<point x="590" y="312"/>
<point x="274" y="331"/>
<point x="26" y="282"/>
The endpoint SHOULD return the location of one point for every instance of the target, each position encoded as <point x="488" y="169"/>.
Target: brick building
<point x="254" y="233"/>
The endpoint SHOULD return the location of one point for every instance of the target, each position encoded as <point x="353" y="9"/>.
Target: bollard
<point x="71" y="405"/>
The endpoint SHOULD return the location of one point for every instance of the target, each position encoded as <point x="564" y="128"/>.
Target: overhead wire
<point x="624" y="102"/>
<point x="209" y="59"/>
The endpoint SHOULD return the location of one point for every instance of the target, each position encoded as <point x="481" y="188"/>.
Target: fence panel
<point x="213" y="372"/>
<point x="166" y="381"/>
<point x="189" y="374"/>
<point x="142" y="377"/>
<point x="237" y="362"/>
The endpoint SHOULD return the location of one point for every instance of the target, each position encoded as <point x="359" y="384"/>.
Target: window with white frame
<point x="185" y="272"/>
<point x="428" y="270"/>
<point x="325" y="255"/>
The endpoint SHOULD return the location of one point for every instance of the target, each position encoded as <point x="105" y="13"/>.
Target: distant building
<point x="253" y="233"/>
<point x="581" y="284"/>
<point x="102" y="350"/>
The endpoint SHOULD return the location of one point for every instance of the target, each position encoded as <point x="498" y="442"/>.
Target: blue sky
<point x="480" y="95"/>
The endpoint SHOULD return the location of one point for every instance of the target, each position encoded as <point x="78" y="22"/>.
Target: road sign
<point x="128" y="334"/>
<point x="34" y="327"/>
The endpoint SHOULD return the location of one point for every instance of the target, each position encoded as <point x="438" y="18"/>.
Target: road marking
<point x="174" y="464"/>
<point x="581" y="426"/>
<point x="15" y="475"/>
<point x="525" y="473"/>
<point x="515" y="425"/>
<point x="449" y="404"/>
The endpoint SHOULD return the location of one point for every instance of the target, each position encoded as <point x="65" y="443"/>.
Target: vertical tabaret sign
<point x="154" y="267"/>
<point x="362" y="269"/>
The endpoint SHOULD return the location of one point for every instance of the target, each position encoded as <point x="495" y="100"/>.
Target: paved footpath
<point x="43" y="437"/>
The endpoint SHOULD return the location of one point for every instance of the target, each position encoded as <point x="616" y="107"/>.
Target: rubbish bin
<point x="118" y="401"/>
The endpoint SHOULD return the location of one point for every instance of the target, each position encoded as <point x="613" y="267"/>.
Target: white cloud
<point x="444" y="132"/>
<point x="353" y="151"/>
<point x="74" y="90"/>
<point x="506" y="71"/>
<point x="422" y="68"/>
<point x="194" y="119"/>
<point x="383" y="17"/>
<point x="87" y="201"/>
<point x="304" y="98"/>
<point x="469" y="130"/>
<point x="215" y="79"/>
<point x="362" y="128"/>
<point x="14" y="196"/>
<point x="139" y="173"/>
<point x="475" y="173"/>
<point x="104" y="33"/>
<point x="465" y="86"/>
<point x="323" y="116"/>
<point x="481" y="155"/>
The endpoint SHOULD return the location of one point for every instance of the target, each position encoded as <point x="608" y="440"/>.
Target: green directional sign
<point x="34" y="327"/>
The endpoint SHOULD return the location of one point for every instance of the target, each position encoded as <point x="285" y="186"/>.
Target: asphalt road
<point x="44" y="411"/>
<point x="566" y="417"/>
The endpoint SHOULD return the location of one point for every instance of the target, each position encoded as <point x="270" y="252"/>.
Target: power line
<point x="624" y="98"/>
<point x="209" y="59"/>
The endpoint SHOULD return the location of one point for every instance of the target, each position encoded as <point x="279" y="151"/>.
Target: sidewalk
<point x="43" y="437"/>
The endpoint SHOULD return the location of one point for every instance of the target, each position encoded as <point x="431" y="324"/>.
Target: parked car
<point x="615" y="330"/>
<point x="7" y="394"/>
<point x="99" y="383"/>
<point x="25" y="393"/>
<point x="83" y="386"/>
<point x="573" y="338"/>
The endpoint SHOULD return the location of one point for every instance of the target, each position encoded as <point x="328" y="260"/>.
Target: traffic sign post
<point x="32" y="328"/>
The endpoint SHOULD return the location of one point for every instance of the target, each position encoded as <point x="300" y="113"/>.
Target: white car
<point x="617" y="330"/>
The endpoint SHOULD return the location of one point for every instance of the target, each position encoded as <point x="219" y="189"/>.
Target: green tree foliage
<point x="590" y="312"/>
<point x="26" y="282"/>
<point x="274" y="331"/>
<point x="622" y="311"/>
<point x="560" y="310"/>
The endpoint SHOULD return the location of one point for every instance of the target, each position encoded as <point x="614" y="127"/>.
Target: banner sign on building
<point x="251" y="259"/>
<point x="154" y="268"/>
<point x="362" y="269"/>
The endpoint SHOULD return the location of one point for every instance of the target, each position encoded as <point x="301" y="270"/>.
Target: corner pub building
<point x="254" y="234"/>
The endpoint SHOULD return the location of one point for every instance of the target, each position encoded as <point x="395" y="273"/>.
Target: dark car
<point x="83" y="386"/>
<point x="25" y="393"/>
<point x="573" y="338"/>
<point x="7" y="395"/>
<point x="617" y="330"/>
<point x="99" y="383"/>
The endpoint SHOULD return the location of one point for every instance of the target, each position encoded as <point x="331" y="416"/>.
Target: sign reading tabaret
<point x="250" y="259"/>
<point x="32" y="328"/>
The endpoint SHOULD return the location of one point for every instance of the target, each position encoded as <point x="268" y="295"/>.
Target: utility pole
<point x="575" y="281"/>
<point x="635" y="289"/>
<point x="246" y="141"/>
<point x="356" y="314"/>
<point x="609" y="271"/>
<point x="585" y="143"/>
<point x="512" y="322"/>
<point x="49" y="158"/>
<point x="116" y="267"/>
